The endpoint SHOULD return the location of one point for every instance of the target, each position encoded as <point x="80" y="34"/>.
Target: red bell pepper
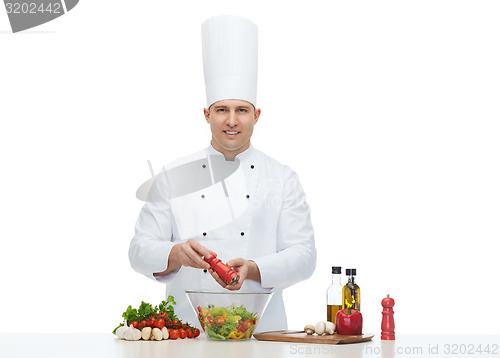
<point x="349" y="322"/>
<point x="241" y="327"/>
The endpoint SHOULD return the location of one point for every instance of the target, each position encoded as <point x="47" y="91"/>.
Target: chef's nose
<point x="231" y="119"/>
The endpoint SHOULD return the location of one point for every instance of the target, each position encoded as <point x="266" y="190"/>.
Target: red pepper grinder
<point x="387" y="320"/>
<point x="224" y="271"/>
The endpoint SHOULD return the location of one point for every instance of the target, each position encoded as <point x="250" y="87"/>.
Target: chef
<point x="230" y="198"/>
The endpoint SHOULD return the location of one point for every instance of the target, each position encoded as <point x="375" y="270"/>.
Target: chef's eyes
<point x="240" y="110"/>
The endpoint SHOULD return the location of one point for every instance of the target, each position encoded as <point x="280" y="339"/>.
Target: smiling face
<point x="231" y="122"/>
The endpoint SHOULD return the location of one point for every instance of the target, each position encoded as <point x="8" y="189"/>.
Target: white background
<point x="387" y="110"/>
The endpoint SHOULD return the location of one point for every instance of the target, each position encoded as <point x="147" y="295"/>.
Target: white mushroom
<point x="320" y="328"/>
<point x="329" y="328"/>
<point x="146" y="333"/>
<point x="309" y="329"/>
<point x="157" y="335"/>
<point x="164" y="331"/>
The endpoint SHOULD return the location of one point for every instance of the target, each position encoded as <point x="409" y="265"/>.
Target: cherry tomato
<point x="196" y="332"/>
<point x="174" y="334"/>
<point x="142" y="324"/>
<point x="220" y="321"/>
<point x="190" y="334"/>
<point x="151" y="322"/>
<point x="182" y="333"/>
<point x="160" y="323"/>
<point x="135" y="324"/>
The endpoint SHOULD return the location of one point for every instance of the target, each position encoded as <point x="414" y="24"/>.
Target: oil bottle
<point x="334" y="295"/>
<point x="350" y="291"/>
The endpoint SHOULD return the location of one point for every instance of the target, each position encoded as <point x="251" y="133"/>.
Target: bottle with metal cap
<point x="351" y="292"/>
<point x="334" y="295"/>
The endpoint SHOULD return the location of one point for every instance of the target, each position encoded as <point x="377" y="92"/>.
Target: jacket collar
<point x="242" y="156"/>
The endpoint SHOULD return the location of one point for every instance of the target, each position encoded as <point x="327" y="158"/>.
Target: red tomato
<point x="182" y="333"/>
<point x="151" y="322"/>
<point x="174" y="334"/>
<point x="220" y="321"/>
<point x="135" y="324"/>
<point x="190" y="334"/>
<point x="160" y="323"/>
<point x="142" y="323"/>
<point x="196" y="332"/>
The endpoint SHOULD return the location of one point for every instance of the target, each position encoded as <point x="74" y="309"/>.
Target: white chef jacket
<point x="274" y="231"/>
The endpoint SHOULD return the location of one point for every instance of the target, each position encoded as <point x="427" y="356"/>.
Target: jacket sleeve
<point x="150" y="247"/>
<point x="295" y="259"/>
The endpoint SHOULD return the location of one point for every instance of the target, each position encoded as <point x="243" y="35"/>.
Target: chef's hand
<point x="188" y="253"/>
<point x="247" y="269"/>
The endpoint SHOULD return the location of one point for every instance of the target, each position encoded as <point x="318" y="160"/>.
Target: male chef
<point x="230" y="198"/>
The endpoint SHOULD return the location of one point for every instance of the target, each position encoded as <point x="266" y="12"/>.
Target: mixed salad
<point x="223" y="323"/>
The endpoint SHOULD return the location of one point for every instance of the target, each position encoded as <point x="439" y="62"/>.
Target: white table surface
<point x="106" y="345"/>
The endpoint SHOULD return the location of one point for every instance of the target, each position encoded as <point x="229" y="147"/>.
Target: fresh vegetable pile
<point x="154" y="323"/>
<point x="224" y="323"/>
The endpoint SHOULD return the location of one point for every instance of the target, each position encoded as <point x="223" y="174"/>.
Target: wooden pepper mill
<point x="224" y="271"/>
<point x="387" y="320"/>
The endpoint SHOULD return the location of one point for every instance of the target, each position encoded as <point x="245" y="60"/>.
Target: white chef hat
<point x="229" y="46"/>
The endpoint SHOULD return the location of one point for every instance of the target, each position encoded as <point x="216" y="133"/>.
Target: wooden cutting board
<point x="302" y="337"/>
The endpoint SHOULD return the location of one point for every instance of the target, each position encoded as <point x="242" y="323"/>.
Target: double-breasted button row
<point x="204" y="166"/>
<point x="241" y="233"/>
<point x="247" y="196"/>
<point x="203" y="196"/>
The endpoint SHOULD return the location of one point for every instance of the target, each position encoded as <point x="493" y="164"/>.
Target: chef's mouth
<point x="231" y="132"/>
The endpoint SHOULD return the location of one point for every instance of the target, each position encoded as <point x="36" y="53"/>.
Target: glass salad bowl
<point x="228" y="316"/>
